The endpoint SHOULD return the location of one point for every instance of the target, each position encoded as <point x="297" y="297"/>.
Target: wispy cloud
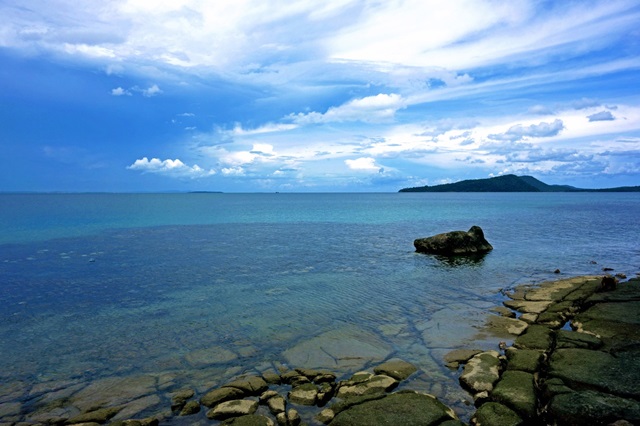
<point x="519" y="132"/>
<point x="354" y="91"/>
<point x="378" y="108"/>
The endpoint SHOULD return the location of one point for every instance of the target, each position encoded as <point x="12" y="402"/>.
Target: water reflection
<point x="475" y="260"/>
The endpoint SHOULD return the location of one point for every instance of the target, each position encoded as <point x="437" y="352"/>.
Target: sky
<point x="316" y="96"/>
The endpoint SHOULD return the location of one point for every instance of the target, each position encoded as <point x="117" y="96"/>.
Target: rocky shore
<point x="567" y="352"/>
<point x="576" y="363"/>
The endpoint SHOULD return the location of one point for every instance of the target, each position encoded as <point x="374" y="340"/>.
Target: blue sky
<point x="301" y="95"/>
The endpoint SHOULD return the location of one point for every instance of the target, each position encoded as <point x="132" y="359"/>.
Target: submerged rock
<point x="235" y="408"/>
<point x="454" y="243"/>
<point x="396" y="368"/>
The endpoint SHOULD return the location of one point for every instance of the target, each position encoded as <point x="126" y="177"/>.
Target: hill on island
<point x="511" y="183"/>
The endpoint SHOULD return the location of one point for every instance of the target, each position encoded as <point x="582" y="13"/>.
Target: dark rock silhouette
<point x="455" y="243"/>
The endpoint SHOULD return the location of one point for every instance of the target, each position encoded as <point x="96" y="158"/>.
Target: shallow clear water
<point x="96" y="285"/>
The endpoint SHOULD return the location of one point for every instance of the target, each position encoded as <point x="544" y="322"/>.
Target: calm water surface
<point x="97" y="285"/>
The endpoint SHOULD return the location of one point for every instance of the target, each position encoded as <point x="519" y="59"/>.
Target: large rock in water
<point x="454" y="243"/>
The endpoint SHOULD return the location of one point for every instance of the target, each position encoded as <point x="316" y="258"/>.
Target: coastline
<point x="551" y="340"/>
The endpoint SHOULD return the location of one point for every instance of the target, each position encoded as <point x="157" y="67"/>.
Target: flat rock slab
<point x="566" y="339"/>
<point x="493" y="413"/>
<point x="348" y="348"/>
<point x="481" y="372"/>
<point x="625" y="292"/>
<point x="461" y="355"/>
<point x="505" y="327"/>
<point x="624" y="312"/>
<point x="251" y="385"/>
<point x="524" y="359"/>
<point x="529" y="307"/>
<point x="591" y="408"/>
<point x="396" y="368"/>
<point x="516" y="390"/>
<point x="235" y="408"/>
<point x="216" y="396"/>
<point x="616" y="323"/>
<point x="113" y="391"/>
<point x="580" y="368"/>
<point x="536" y="337"/>
<point x="554" y="290"/>
<point x="209" y="356"/>
<point x="249" y="420"/>
<point x="375" y="384"/>
<point x="403" y="408"/>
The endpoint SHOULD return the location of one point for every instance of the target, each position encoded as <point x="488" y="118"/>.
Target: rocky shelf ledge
<point x="577" y="362"/>
<point x="573" y="359"/>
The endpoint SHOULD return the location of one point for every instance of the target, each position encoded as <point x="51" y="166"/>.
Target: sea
<point x="200" y="288"/>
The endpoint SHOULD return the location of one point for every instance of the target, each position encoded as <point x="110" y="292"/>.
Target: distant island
<point x="511" y="183"/>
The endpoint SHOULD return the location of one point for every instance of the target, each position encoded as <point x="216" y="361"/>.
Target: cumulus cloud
<point x="364" y="164"/>
<point x="151" y="91"/>
<point x="233" y="171"/>
<point x="175" y="168"/>
<point x="370" y="109"/>
<point x="601" y="116"/>
<point x="519" y="132"/>
<point x="119" y="91"/>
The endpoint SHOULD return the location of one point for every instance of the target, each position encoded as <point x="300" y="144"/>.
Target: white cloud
<point x="267" y="128"/>
<point x="151" y="91"/>
<point x="519" y="132"/>
<point x="148" y="92"/>
<point x="233" y="171"/>
<point x="371" y="109"/>
<point x="175" y="168"/>
<point x="364" y="164"/>
<point x="119" y="91"/>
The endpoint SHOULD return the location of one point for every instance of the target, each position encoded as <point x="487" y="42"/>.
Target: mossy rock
<point x="405" y="408"/>
<point x="566" y="339"/>
<point x="536" y="337"/>
<point x="481" y="372"/>
<point x="396" y="368"/>
<point x="495" y="414"/>
<point x="191" y="407"/>
<point x="593" y="408"/>
<point x="249" y="420"/>
<point x="584" y="291"/>
<point x="516" y="390"/>
<point x="582" y="368"/>
<point x="554" y="386"/>
<point x="98" y="416"/>
<point x="251" y="385"/>
<point x="216" y="396"/>
<point x="524" y="359"/>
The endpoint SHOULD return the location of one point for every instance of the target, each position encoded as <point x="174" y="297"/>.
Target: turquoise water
<point x="99" y="285"/>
